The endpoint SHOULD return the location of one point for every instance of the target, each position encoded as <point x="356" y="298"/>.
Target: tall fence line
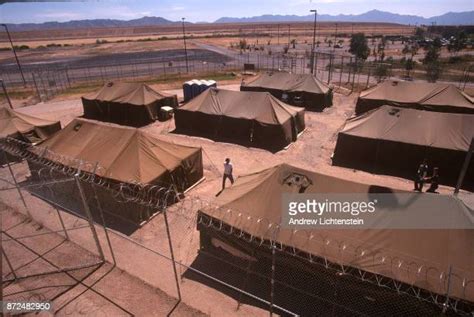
<point x="331" y="67"/>
<point x="328" y="288"/>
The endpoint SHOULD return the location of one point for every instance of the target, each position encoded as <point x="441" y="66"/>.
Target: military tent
<point x="250" y="118"/>
<point x="423" y="96"/>
<point x="393" y="140"/>
<point x="125" y="155"/>
<point x="243" y="224"/>
<point x="25" y="127"/>
<point x="132" y="104"/>
<point x="303" y="90"/>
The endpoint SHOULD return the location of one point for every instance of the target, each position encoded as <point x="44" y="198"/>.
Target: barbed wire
<point x="403" y="273"/>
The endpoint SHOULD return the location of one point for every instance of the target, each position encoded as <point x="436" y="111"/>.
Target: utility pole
<point x="14" y="53"/>
<point x="185" y="49"/>
<point x="314" y="40"/>
<point x="278" y="34"/>
<point x="464" y="168"/>
<point x="289" y="32"/>
<point x="6" y="94"/>
<point x="335" y="36"/>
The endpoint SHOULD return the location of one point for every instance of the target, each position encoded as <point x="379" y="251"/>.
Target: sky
<point x="211" y="10"/>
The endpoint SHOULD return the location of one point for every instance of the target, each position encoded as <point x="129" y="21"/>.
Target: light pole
<point x="185" y="49"/>
<point x="6" y="94"/>
<point x="289" y="32"/>
<point x="14" y="53"/>
<point x="314" y="40"/>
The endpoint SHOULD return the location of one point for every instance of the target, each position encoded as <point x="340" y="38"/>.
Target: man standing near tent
<point x="228" y="168"/>
<point x="421" y="175"/>
<point x="434" y="180"/>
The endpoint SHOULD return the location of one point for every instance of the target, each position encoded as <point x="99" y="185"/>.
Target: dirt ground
<point x="96" y="290"/>
<point x="312" y="151"/>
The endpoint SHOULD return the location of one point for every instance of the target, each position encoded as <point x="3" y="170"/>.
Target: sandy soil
<point x="312" y="151"/>
<point x="96" y="291"/>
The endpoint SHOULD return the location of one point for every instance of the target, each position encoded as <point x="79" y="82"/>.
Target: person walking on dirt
<point x="228" y="169"/>
<point x="421" y="175"/>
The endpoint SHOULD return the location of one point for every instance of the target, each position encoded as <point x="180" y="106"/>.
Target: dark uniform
<point x="420" y="176"/>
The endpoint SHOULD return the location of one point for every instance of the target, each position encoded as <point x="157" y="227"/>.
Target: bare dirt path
<point x="95" y="291"/>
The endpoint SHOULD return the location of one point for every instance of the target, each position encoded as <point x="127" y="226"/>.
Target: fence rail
<point x="283" y="280"/>
<point x="331" y="67"/>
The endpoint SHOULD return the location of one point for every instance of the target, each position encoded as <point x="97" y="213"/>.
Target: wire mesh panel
<point x="184" y="252"/>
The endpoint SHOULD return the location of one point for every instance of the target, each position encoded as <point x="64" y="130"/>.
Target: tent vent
<point x="393" y="112"/>
<point x="77" y="126"/>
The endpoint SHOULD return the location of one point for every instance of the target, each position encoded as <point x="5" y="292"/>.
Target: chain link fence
<point x="332" y="67"/>
<point x="201" y="260"/>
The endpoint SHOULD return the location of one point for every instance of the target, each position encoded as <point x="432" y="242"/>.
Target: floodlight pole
<point x="6" y="94"/>
<point x="14" y="53"/>
<point x="278" y="34"/>
<point x="185" y="49"/>
<point x="289" y="34"/>
<point x="314" y="40"/>
<point x="465" y="166"/>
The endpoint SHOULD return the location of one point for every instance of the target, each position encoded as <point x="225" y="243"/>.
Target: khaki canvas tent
<point x="126" y="155"/>
<point x="132" y="104"/>
<point x="25" y="127"/>
<point x="303" y="90"/>
<point x="423" y="96"/>
<point x="394" y="141"/>
<point x="242" y="223"/>
<point x="250" y="118"/>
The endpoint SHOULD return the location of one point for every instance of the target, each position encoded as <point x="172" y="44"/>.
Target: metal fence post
<point x="16" y="184"/>
<point x="9" y="263"/>
<point x="448" y="289"/>
<point x="89" y="216"/>
<point x="464" y="168"/>
<point x="172" y="254"/>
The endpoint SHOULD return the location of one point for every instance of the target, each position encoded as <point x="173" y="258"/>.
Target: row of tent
<point x="132" y="155"/>
<point x="399" y="124"/>
<point x="432" y="121"/>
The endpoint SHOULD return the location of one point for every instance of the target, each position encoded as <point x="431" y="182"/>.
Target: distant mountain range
<point x="96" y="23"/>
<point x="450" y="18"/>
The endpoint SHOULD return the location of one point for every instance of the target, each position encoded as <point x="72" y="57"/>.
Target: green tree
<point x="458" y="43"/>
<point x="409" y="65"/>
<point x="293" y="42"/>
<point x="432" y="65"/>
<point x="359" y="46"/>
<point x="433" y="71"/>
<point x="419" y="32"/>
<point x="243" y="44"/>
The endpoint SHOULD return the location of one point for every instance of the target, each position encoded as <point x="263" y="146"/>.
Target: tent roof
<point x="137" y="94"/>
<point x="126" y="154"/>
<point x="426" y="128"/>
<point x="432" y="94"/>
<point x="242" y="207"/>
<point x="12" y="122"/>
<point x="289" y="82"/>
<point x="260" y="106"/>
